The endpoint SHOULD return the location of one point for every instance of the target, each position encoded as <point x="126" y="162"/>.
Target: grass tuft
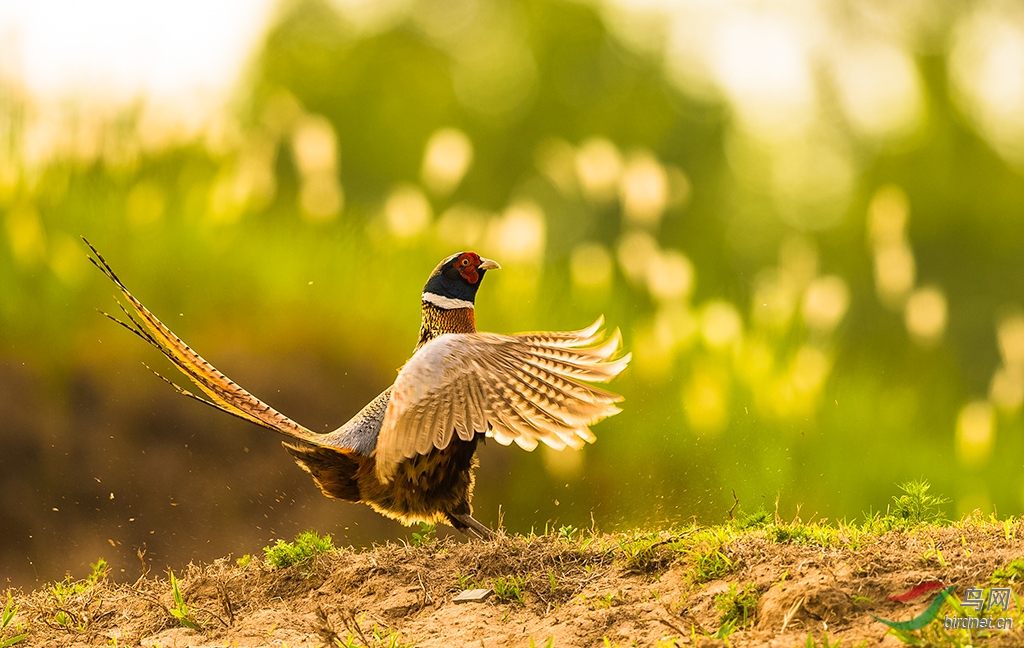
<point x="307" y="546"/>
<point x="736" y="607"/>
<point x="704" y="550"/>
<point x="378" y="637"/>
<point x="639" y="551"/>
<point x="64" y="592"/>
<point x="66" y="589"/>
<point x="510" y="589"/>
<point x="1011" y="573"/>
<point x="759" y="518"/>
<point x="916" y="507"/>
<point x="817" y="534"/>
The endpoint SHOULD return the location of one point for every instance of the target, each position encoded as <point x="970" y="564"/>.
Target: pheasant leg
<point x="470" y="526"/>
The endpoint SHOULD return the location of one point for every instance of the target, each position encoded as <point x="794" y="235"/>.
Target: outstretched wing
<point x="525" y="388"/>
<point x="223" y="393"/>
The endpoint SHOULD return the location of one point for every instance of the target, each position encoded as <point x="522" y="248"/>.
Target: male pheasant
<point x="411" y="452"/>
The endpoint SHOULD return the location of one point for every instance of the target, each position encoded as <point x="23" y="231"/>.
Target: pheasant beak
<point x="488" y="264"/>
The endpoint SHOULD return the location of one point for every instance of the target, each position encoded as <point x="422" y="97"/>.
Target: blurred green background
<point x="807" y="220"/>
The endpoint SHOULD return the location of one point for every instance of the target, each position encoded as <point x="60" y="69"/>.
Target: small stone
<point x="473" y="596"/>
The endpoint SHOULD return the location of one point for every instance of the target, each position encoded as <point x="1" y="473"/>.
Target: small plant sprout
<point x="10" y="609"/>
<point x="933" y="552"/>
<point x="424" y="535"/>
<point x="782" y="579"/>
<point x="64" y="619"/>
<point x="811" y="643"/>
<point x="725" y="630"/>
<point x="466" y="581"/>
<point x="388" y="638"/>
<point x="180" y="610"/>
<point x="609" y="600"/>
<point x="566" y="533"/>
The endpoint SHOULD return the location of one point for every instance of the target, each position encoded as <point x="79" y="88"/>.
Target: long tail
<point x="223" y="393"/>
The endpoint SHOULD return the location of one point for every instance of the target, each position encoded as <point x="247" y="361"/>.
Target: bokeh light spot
<point x="925" y="315"/>
<point x="462" y="226"/>
<point x="644" y="189"/>
<point x="407" y="212"/>
<point x="705" y="400"/>
<point x="987" y="74"/>
<point x="720" y="324"/>
<point x="825" y="302"/>
<point x="975" y="432"/>
<point x="758" y="61"/>
<point x="1006" y="391"/>
<point x="1010" y="335"/>
<point x="879" y="90"/>
<point x="447" y="157"/>
<point x="26" y="235"/>
<point x="315" y="146"/>
<point x="670" y="276"/>
<point x="599" y="168"/>
<point x="591" y="265"/>
<point x="895" y="273"/>
<point x="810" y="369"/>
<point x="636" y="251"/>
<point x="887" y="216"/>
<point x="145" y="203"/>
<point x="519" y="234"/>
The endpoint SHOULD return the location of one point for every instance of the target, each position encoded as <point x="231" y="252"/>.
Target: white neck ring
<point x="446" y="303"/>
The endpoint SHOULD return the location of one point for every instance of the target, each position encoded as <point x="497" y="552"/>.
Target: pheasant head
<point x="450" y="293"/>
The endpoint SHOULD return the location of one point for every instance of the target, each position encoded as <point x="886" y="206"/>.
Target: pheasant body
<point x="410" y="453"/>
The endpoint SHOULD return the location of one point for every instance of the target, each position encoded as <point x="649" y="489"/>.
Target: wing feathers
<point x="528" y="388"/>
<point x="579" y="338"/>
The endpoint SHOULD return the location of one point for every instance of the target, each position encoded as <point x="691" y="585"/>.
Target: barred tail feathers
<point x="223" y="393"/>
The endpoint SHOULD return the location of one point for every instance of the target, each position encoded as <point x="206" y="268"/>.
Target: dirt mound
<point x="766" y="586"/>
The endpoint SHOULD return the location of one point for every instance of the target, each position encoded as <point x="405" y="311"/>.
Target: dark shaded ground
<point x="579" y="589"/>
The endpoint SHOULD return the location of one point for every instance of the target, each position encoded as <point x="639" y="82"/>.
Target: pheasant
<point x="410" y="453"/>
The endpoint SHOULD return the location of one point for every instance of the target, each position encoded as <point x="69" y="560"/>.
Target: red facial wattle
<point x="467" y="265"/>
